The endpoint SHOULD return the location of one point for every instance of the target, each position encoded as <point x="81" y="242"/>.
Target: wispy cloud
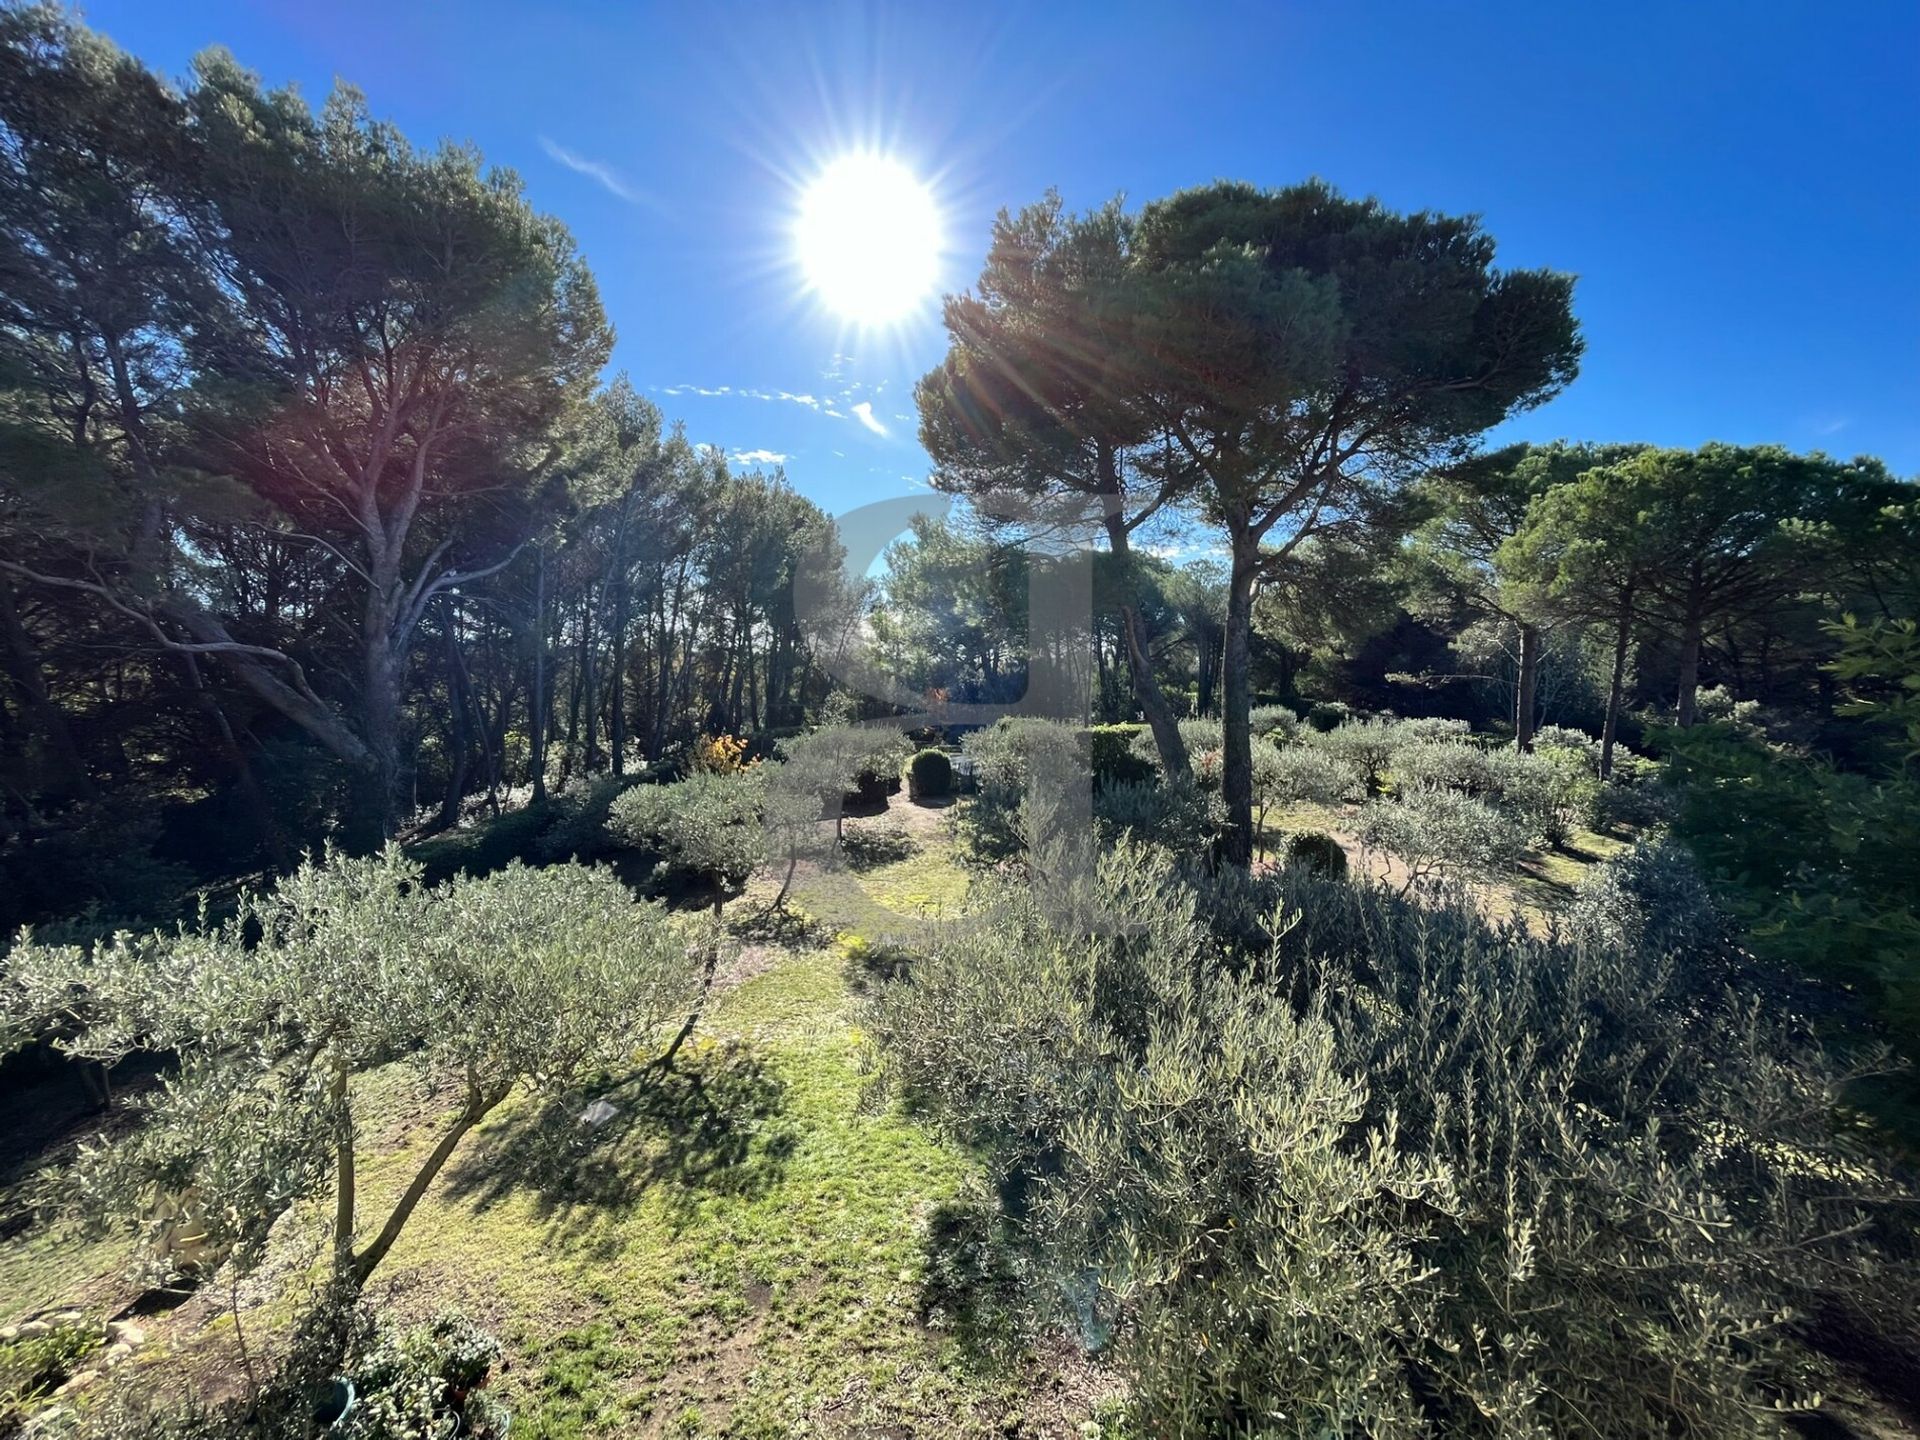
<point x="598" y="171"/>
<point x="863" y="412"/>
<point x="1830" y="424"/>
<point x="711" y="392"/>
<point x="756" y="457"/>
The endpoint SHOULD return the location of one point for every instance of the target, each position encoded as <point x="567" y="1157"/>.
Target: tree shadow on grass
<point x="714" y="1126"/>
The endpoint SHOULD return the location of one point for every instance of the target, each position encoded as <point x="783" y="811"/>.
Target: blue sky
<point x="1737" y="186"/>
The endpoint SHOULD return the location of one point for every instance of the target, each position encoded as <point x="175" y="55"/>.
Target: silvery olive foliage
<point x="1187" y="1153"/>
<point x="1203" y="737"/>
<point x="1183" y="817"/>
<point x="1566" y="737"/>
<point x="838" y="759"/>
<point x="1550" y="790"/>
<point x="1436" y="834"/>
<point x="1279" y="723"/>
<point x="521" y="978"/>
<point x="577" y="827"/>
<point x="1429" y="765"/>
<point x="1007" y="757"/>
<point x="1303" y="775"/>
<point x="1650" y="898"/>
<point x="1328" y="1162"/>
<point x="707" y="829"/>
<point x="1367" y="745"/>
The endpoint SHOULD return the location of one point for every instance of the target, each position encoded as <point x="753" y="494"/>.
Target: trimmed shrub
<point x="1565" y="737"/>
<point x="847" y="762"/>
<point x="1006" y="756"/>
<point x="1300" y="775"/>
<point x="1550" y="791"/>
<point x="1624" y="803"/>
<point x="1112" y="754"/>
<point x="929" y="775"/>
<point x="1367" y="745"/>
<point x="706" y="829"/>
<point x="1325" y="715"/>
<point x="1428" y="765"/>
<point x="1278" y="723"/>
<point x="524" y="979"/>
<point x="576" y="825"/>
<point x="1650" y="899"/>
<point x="1433" y="727"/>
<point x="1317" y="851"/>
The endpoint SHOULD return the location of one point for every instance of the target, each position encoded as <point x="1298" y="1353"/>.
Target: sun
<point x="869" y="239"/>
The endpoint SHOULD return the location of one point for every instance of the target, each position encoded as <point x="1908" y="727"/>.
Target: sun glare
<point x="869" y="239"/>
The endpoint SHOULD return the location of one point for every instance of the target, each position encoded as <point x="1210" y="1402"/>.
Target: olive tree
<point x="707" y="830"/>
<point x="525" y="978"/>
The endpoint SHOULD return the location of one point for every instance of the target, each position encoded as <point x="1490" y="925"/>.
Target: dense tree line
<point x="1296" y="385"/>
<point x="313" y="509"/>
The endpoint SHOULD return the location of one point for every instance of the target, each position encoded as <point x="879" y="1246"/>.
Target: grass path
<point x="740" y="1252"/>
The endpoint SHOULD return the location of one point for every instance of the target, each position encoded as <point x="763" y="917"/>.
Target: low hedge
<point x="929" y="775"/>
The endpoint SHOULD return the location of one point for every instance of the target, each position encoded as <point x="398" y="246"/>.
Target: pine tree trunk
<point x="537" y="699"/>
<point x="22" y="662"/>
<point x="1616" y="686"/>
<point x="1689" y="671"/>
<point x="1147" y="693"/>
<point x="1526" y="689"/>
<point x="1235" y="721"/>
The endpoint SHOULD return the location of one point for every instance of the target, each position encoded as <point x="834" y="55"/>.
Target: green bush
<point x="576" y="823"/>
<point x="1441" y="833"/>
<point x="1324" y="715"/>
<point x="1204" y="740"/>
<point x="1649" y="899"/>
<point x="1551" y="791"/>
<point x="1548" y="791"/>
<point x="32" y="1368"/>
<point x="1317" y="851"/>
<point x="1182" y="817"/>
<point x="1278" y="723"/>
<point x="1328" y="1162"/>
<point x="523" y="978"/>
<point x="101" y="859"/>
<point x="1433" y="727"/>
<point x="1301" y="775"/>
<point x="1815" y="864"/>
<point x="858" y="761"/>
<point x="1367" y="745"/>
<point x="1622" y="804"/>
<point x="929" y="775"/>
<point x="1565" y="737"/>
<point x="707" y="829"/>
<point x="1111" y="753"/>
<point x="1007" y="755"/>
<point x="1428" y="765"/>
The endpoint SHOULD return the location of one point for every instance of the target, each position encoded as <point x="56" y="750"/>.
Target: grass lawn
<point x="740" y="1252"/>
